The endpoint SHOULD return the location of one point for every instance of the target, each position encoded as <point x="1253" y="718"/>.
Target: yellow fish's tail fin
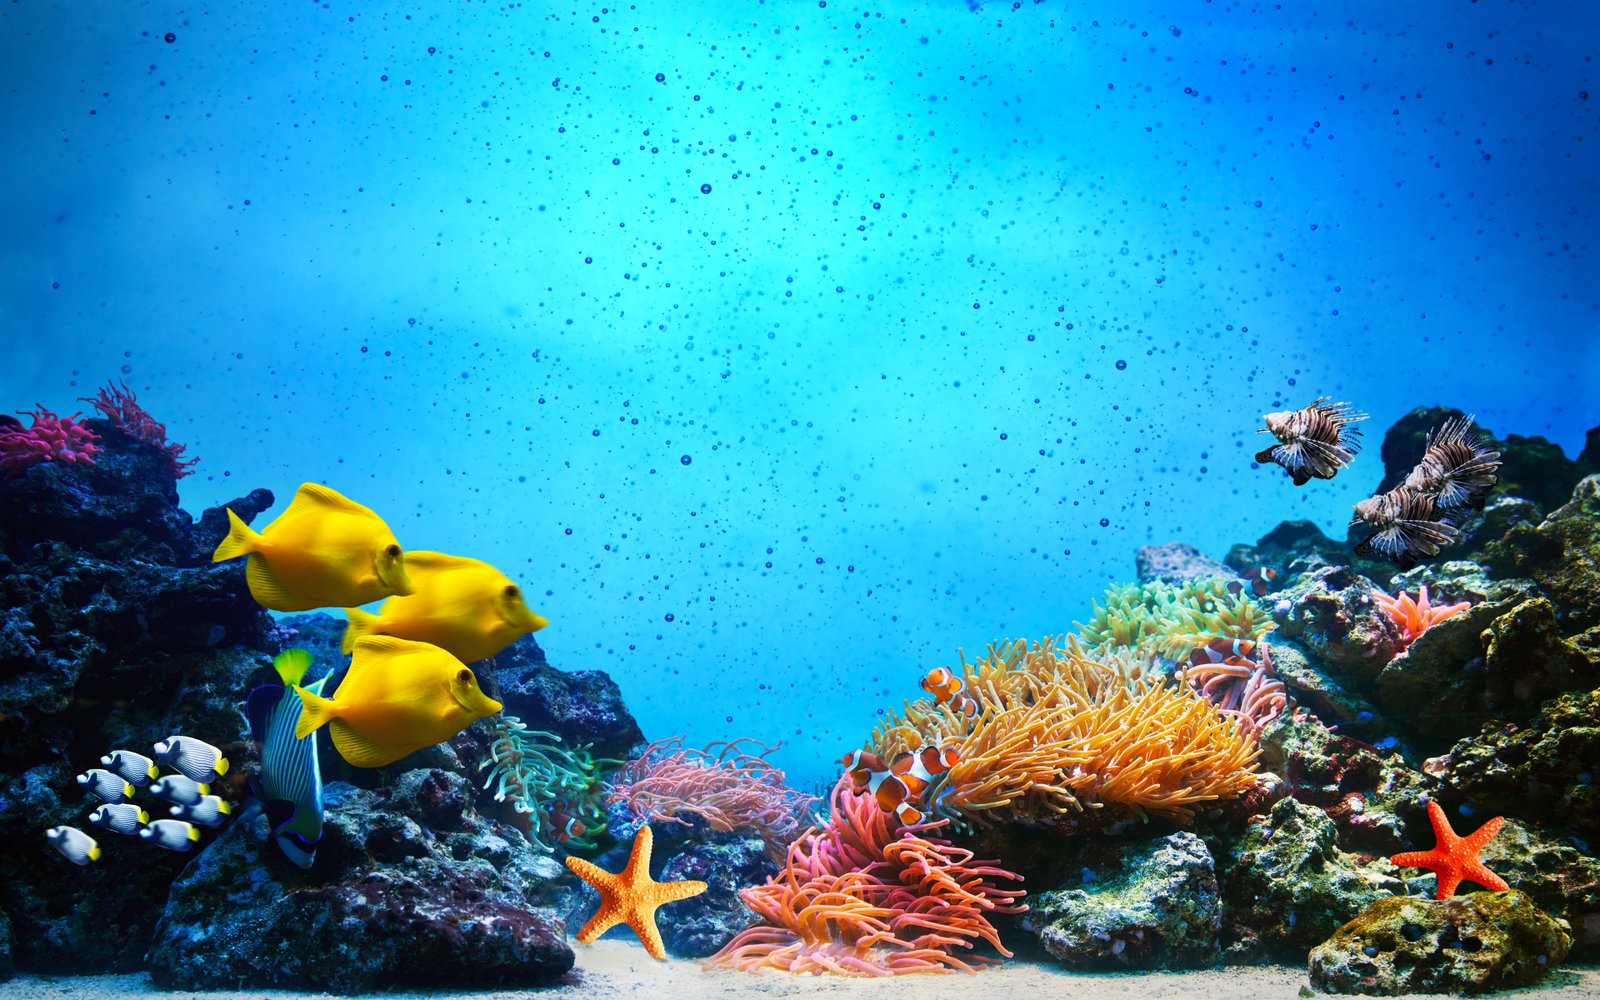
<point x="362" y="623"/>
<point x="315" y="710"/>
<point x="291" y="665"/>
<point x="242" y="540"/>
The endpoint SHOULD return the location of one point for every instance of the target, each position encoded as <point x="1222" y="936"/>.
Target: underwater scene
<point x="766" y="497"/>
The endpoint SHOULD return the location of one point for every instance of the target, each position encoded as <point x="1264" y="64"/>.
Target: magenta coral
<point x="727" y="787"/>
<point x="118" y="405"/>
<point x="50" y="439"/>
<point x="866" y="896"/>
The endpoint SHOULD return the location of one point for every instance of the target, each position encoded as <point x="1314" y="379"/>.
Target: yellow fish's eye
<point x="511" y="591"/>
<point x="464" y="676"/>
<point x="393" y="552"/>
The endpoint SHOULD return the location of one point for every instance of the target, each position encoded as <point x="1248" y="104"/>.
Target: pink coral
<point x="119" y="406"/>
<point x="723" y="785"/>
<point x="1243" y="688"/>
<point x="865" y="896"/>
<point x="50" y="439"/>
<point x="1413" y="618"/>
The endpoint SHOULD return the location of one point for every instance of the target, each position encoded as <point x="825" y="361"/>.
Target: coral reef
<point x="727" y="863"/>
<point x="725" y="787"/>
<point x="116" y="402"/>
<point x="863" y="896"/>
<point x="1156" y="906"/>
<point x="1470" y="944"/>
<point x="50" y="438"/>
<point x="560" y="788"/>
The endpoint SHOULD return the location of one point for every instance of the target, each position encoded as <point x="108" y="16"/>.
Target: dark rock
<point x="1157" y="907"/>
<point x="1562" y="555"/>
<point x="727" y="862"/>
<point x="1561" y="879"/>
<point x="1468" y="944"/>
<point x="1334" y="701"/>
<point x="1177" y="562"/>
<point x="388" y="905"/>
<point x="212" y="527"/>
<point x="1292" y="548"/>
<point x="1543" y="772"/>
<point x="1454" y="580"/>
<point x="1439" y="682"/>
<point x="583" y="706"/>
<point x="1330" y="614"/>
<point x="1289" y="886"/>
<point x="1369" y="793"/>
<point x="7" y="966"/>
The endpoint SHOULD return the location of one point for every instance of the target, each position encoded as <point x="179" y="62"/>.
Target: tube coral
<point x="864" y="896"/>
<point x="118" y="405"/>
<point x="722" y="784"/>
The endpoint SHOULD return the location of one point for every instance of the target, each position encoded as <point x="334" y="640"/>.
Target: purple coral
<point x="51" y="439"/>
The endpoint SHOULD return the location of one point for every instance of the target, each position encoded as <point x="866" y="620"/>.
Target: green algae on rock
<point x="1289" y="886"/>
<point x="1467" y="944"/>
<point x="1161" y="910"/>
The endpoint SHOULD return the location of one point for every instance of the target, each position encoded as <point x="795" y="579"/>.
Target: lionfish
<point x="1406" y="523"/>
<point x="1457" y="470"/>
<point x="1314" y="443"/>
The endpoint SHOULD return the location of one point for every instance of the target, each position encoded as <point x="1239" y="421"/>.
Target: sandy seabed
<point x="622" y="969"/>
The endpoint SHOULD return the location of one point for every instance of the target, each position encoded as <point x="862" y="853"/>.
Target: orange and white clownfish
<point x="899" y="784"/>
<point x="564" y="826"/>
<point x="1259" y="579"/>
<point x="945" y="686"/>
<point x="1222" y="651"/>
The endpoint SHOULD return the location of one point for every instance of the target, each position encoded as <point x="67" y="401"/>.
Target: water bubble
<point x="685" y="460"/>
<point x="705" y="189"/>
<point x="1105" y="522"/>
<point x="669" y="616"/>
<point x="1122" y="366"/>
<point x="661" y="78"/>
<point x="169" y="38"/>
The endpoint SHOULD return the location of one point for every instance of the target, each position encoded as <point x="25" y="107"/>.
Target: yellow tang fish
<point x="464" y="606"/>
<point x="325" y="551"/>
<point x="397" y="697"/>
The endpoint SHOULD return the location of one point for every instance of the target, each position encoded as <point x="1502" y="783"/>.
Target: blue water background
<point x="782" y="349"/>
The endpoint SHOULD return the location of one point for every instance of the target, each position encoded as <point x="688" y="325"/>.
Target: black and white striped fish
<point x="173" y="834"/>
<point x="109" y="787"/>
<point x="1314" y="442"/>
<point x="75" y="845"/>
<point x="136" y="769"/>
<point x="179" y="789"/>
<point x="209" y="811"/>
<point x="123" y="817"/>
<point x="192" y="758"/>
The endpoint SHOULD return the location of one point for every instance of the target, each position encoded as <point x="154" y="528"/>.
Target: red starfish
<point x="1455" y="858"/>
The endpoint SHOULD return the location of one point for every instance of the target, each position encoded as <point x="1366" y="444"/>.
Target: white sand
<point x="622" y="969"/>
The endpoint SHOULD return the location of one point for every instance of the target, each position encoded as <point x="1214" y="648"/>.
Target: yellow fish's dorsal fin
<point x="241" y="539"/>
<point x="265" y="587"/>
<point x="359" y="750"/>
<point x="314" y="711"/>
<point x="291" y="665"/>
<point x="440" y="561"/>
<point x="388" y="645"/>
<point x="362" y="624"/>
<point x="315" y="498"/>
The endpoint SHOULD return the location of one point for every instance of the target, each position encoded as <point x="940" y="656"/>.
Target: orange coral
<point x="1060" y="731"/>
<point x="1415" y="617"/>
<point x="864" y="896"/>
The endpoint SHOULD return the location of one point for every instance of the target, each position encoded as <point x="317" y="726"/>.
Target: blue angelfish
<point x="290" y="786"/>
<point x="179" y="790"/>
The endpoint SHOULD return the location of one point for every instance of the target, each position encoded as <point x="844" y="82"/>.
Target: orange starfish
<point x="632" y="896"/>
<point x="1455" y="858"/>
<point x="1415" y="617"/>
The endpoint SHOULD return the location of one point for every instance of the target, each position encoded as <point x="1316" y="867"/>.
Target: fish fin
<point x="362" y="624"/>
<point x="205" y="789"/>
<point x="222" y="766"/>
<point x="241" y="539"/>
<point x="265" y="587"/>
<point x="388" y="644"/>
<point x="314" y="711"/>
<point x="94" y="853"/>
<point x="311" y="497"/>
<point x="291" y="665"/>
<point x="437" y="561"/>
<point x="194" y="832"/>
<point x="258" y="706"/>
<point x="358" y="750"/>
<point x="225" y="808"/>
<point x="280" y="812"/>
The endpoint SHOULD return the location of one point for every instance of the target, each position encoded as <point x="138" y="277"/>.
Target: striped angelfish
<point x="290" y="785"/>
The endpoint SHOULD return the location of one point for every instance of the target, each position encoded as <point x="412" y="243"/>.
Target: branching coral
<point x="722" y="784"/>
<point x="559" y="788"/>
<point x="51" y="438"/>
<point x="864" y="896"/>
<point x="1242" y="688"/>
<point x="1414" y="617"/>
<point x="1060" y="730"/>
<point x="118" y="405"/>
<point x="1166" y="620"/>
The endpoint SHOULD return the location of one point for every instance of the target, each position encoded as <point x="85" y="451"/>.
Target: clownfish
<point x="1222" y="651"/>
<point x="946" y="687"/>
<point x="899" y="784"/>
<point x="563" y="825"/>
<point x="1258" y="578"/>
